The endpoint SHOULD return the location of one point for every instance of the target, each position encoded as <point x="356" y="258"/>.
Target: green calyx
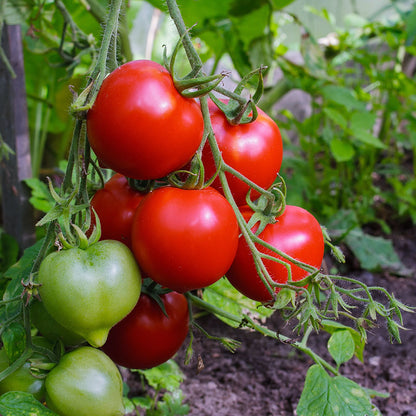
<point x="268" y="207"/>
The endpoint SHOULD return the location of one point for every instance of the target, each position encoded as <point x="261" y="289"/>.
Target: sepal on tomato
<point x="237" y="110"/>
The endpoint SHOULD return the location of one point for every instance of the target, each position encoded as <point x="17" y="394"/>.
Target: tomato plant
<point x="23" y="379"/>
<point x="184" y="239"/>
<point x="49" y="328"/>
<point x="297" y="233"/>
<point x="85" y="382"/>
<point x="147" y="336"/>
<point x="140" y="125"/>
<point x="255" y="150"/>
<point x="90" y="290"/>
<point x="115" y="205"/>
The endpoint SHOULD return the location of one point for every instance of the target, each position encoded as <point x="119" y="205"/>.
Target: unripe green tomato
<point x="85" y="383"/>
<point x="49" y="328"/>
<point x="89" y="290"/>
<point x="22" y="379"/>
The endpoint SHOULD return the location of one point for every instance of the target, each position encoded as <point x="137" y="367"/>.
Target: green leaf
<point x="145" y="402"/>
<point x="341" y="346"/>
<point x="362" y="120"/>
<point x="341" y="223"/>
<point x="226" y="297"/>
<point x="16" y="11"/>
<point x="284" y="297"/>
<point x="374" y="253"/>
<point x="365" y="137"/>
<point x="166" y="376"/>
<point x="16" y="273"/>
<point x="41" y="198"/>
<point x="280" y="4"/>
<point x="342" y="150"/>
<point x="332" y="396"/>
<point x="171" y="405"/>
<point x="14" y="341"/>
<point x="9" y="251"/>
<point x="22" y="268"/>
<point x="359" y="342"/>
<point x="410" y="22"/>
<point x="355" y="20"/>
<point x="342" y="96"/>
<point x="336" y="117"/>
<point x="242" y="7"/>
<point x="16" y="403"/>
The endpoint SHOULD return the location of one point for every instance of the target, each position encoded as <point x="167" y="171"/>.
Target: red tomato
<point x="140" y="125"/>
<point x="147" y="337"/>
<point x="115" y="205"/>
<point x="296" y="233"/>
<point x="184" y="239"/>
<point x="254" y="149"/>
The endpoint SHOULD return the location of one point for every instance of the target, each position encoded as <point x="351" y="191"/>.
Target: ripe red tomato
<point x="140" y="125"/>
<point x="296" y="233"/>
<point x="147" y="337"/>
<point x="254" y="149"/>
<point x="184" y="239"/>
<point x="115" y="205"/>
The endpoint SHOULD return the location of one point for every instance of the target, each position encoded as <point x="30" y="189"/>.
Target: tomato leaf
<point x="171" y="405"/>
<point x="226" y="297"/>
<point x="359" y="343"/>
<point x="341" y="346"/>
<point x="14" y="341"/>
<point x="375" y="253"/>
<point x="336" y="117"/>
<point x="332" y="396"/>
<point x="16" y="273"/>
<point x="342" y="150"/>
<point x="9" y="251"/>
<point x="17" y="403"/>
<point x="342" y="96"/>
<point x="365" y="137"/>
<point x="40" y="198"/>
<point x="167" y="376"/>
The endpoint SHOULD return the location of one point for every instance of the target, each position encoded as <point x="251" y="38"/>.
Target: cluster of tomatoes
<point x="177" y="239"/>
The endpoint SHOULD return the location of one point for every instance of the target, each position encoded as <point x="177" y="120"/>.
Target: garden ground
<point x="265" y="377"/>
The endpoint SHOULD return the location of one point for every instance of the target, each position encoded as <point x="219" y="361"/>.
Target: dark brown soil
<point x="265" y="377"/>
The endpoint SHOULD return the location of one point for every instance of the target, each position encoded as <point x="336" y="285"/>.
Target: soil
<point x="265" y="377"/>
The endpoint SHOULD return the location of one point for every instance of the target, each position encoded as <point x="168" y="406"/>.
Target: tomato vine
<point x="316" y="300"/>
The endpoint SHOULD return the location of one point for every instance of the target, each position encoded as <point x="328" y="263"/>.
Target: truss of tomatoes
<point x="142" y="128"/>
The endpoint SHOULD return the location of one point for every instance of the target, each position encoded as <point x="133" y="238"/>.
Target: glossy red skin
<point x="184" y="239"/>
<point x="140" y="125"/>
<point x="115" y="205"/>
<point x="147" y="337"/>
<point x="254" y="149"/>
<point x="296" y="233"/>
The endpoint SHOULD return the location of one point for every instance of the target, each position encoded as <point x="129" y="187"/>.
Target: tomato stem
<point x="246" y="321"/>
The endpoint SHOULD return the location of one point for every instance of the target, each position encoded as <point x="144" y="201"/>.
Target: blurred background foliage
<point x="340" y="83"/>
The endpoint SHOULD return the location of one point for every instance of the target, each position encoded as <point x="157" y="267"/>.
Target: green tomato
<point x="22" y="379"/>
<point x="49" y="328"/>
<point x="85" y="383"/>
<point x="89" y="291"/>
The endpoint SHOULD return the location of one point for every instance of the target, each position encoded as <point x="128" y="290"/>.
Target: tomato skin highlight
<point x="254" y="149"/>
<point x="296" y="233"/>
<point x="85" y="382"/>
<point x="115" y="205"/>
<point x="147" y="337"/>
<point x="140" y="125"/>
<point x="184" y="239"/>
